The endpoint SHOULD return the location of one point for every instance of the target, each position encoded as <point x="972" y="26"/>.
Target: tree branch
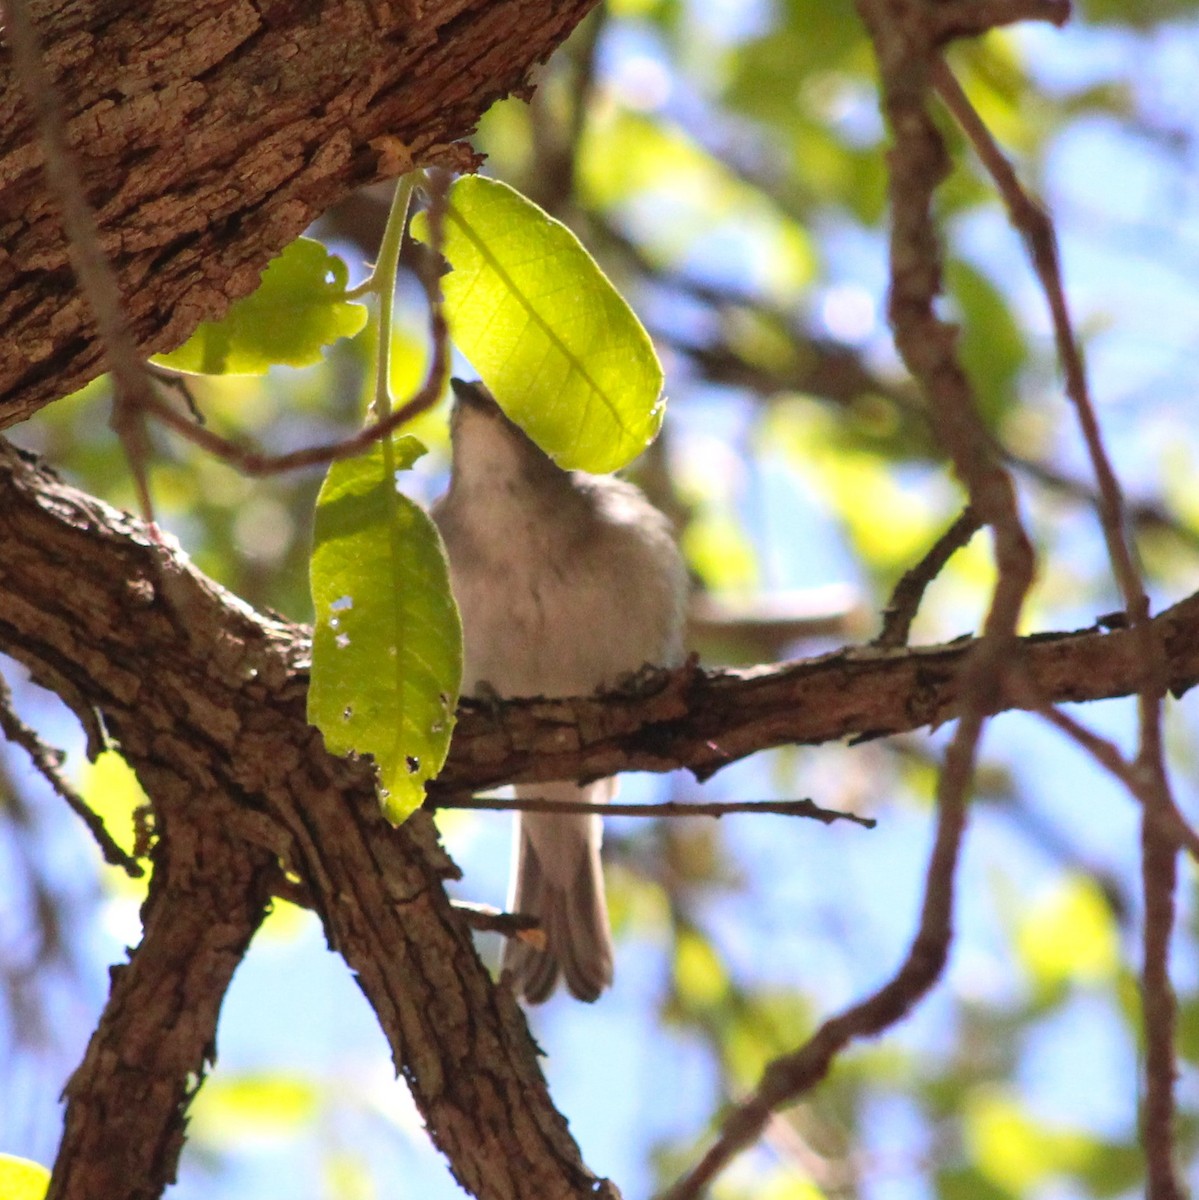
<point x="199" y="685"/>
<point x="207" y="702"/>
<point x="127" y="1101"/>
<point x="209" y="135"/>
<point x="668" y="808"/>
<point x="698" y="720"/>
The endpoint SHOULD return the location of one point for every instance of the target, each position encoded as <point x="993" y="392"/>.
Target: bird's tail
<point x="557" y="878"/>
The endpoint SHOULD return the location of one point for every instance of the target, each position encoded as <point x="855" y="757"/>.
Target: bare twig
<point x="1163" y="824"/>
<point x="482" y="917"/>
<point x="179" y="384"/>
<point x="252" y="462"/>
<point x="968" y="18"/>
<point x="669" y="808"/>
<point x="485" y="919"/>
<point x="1034" y="225"/>
<point x="48" y="763"/>
<point x="909" y="591"/>
<point x="255" y="463"/>
<point x="132" y="388"/>
<point x="1159" y="879"/>
<point x="791" y="1075"/>
<point x="904" y="40"/>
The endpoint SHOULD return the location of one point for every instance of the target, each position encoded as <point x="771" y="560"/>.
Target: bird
<point x="567" y="583"/>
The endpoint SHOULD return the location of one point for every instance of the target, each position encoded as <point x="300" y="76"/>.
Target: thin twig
<point x="254" y="463"/>
<point x="132" y="388"/>
<point x="669" y="808"/>
<point x="1033" y="223"/>
<point x="48" y="763"/>
<point x="968" y="18"/>
<point x="482" y="917"/>
<point x="1159" y="879"/>
<point x="486" y="919"/>
<point x="1164" y="827"/>
<point x="1170" y="823"/>
<point x="909" y="591"/>
<point x="794" y="1074"/>
<point x="177" y="383"/>
<point x="904" y="47"/>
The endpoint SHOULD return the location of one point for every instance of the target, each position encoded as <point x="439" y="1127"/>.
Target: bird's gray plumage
<point x="566" y="582"/>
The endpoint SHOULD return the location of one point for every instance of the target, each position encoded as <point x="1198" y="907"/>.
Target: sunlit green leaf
<point x="784" y="1184"/>
<point x="387" y="641"/>
<point x="347" y="1176"/>
<point x="699" y="974"/>
<point x="21" y="1179"/>
<point x="1069" y="935"/>
<point x="891" y="522"/>
<point x="679" y="200"/>
<point x="1016" y="1150"/>
<point x="113" y="793"/>
<point x="253" y="1107"/>
<point x="763" y="1025"/>
<point x="561" y="351"/>
<point x="719" y="551"/>
<point x="297" y="310"/>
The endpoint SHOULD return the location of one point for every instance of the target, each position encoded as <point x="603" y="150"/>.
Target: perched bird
<point x="566" y="582"/>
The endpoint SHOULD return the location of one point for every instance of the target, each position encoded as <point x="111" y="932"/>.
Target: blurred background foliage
<point x="725" y="162"/>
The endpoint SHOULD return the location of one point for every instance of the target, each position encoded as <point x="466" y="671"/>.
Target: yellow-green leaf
<point x="1069" y="935"/>
<point x="21" y="1179"/>
<point x="297" y="310"/>
<point x="253" y="1107"/>
<point x="387" y="640"/>
<point x="1014" y="1149"/>
<point x="558" y="346"/>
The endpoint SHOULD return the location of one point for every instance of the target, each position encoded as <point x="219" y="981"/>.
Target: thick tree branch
<point x="210" y="134"/>
<point x="206" y="700"/>
<point x="697" y="720"/>
<point x="203" y="693"/>
<point x="127" y="1102"/>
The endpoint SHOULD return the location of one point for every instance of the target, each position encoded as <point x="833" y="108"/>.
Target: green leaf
<point x="558" y="346"/>
<point x="1014" y="1149"/>
<point x="297" y="310"/>
<point x="113" y="793"/>
<point x="992" y="344"/>
<point x="1069" y="935"/>
<point x="253" y="1107"/>
<point x="677" y="200"/>
<point x="699" y="974"/>
<point x="387" y="641"/>
<point x="21" y="1179"/>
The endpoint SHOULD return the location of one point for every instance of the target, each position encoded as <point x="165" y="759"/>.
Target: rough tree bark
<point x="207" y="136"/>
<point x="210" y="133"/>
<point x="206" y="700"/>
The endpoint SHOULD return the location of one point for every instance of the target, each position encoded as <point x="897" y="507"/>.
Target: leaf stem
<point x="383" y="281"/>
<point x="384" y="278"/>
